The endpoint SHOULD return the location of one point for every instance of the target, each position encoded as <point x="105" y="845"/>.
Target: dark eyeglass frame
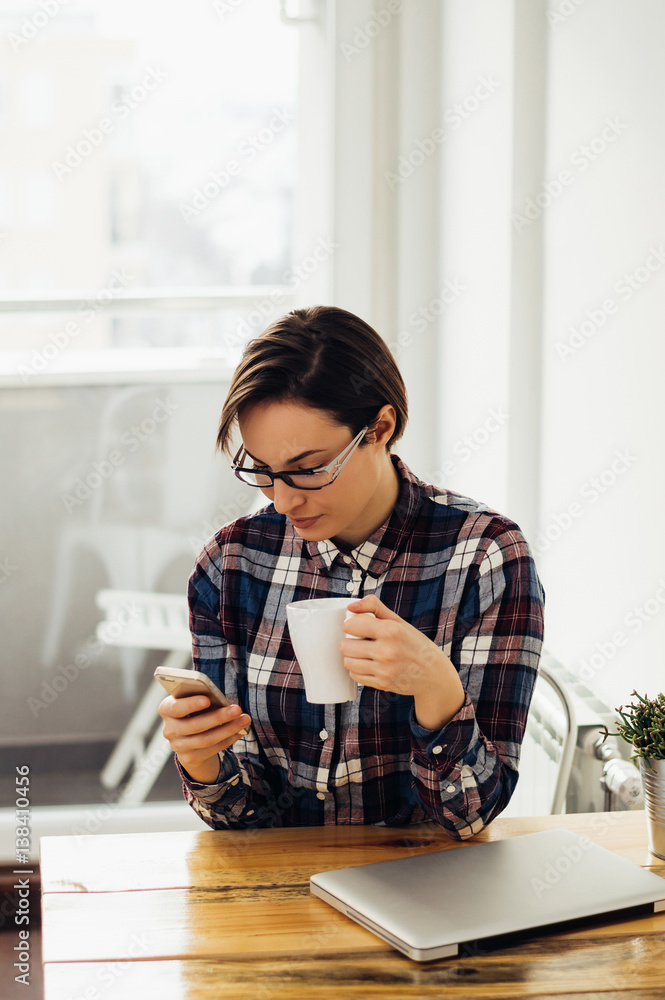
<point x="335" y="467"/>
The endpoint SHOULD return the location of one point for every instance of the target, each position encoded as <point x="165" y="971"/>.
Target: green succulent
<point x="643" y="725"/>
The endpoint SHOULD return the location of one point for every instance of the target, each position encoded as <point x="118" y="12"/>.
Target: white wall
<point x="475" y="165"/>
<point x="602" y="561"/>
<point x="605" y="397"/>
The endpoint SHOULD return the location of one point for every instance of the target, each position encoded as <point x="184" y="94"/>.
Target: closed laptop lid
<point x="428" y="904"/>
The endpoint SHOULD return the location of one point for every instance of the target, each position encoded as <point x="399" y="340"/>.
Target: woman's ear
<point x="382" y="427"/>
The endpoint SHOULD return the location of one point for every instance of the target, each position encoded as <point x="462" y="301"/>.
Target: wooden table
<point x="229" y="914"/>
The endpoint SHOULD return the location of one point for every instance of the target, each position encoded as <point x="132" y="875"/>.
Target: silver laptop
<point x="427" y="905"/>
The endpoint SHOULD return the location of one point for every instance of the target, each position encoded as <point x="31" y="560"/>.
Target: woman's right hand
<point x="198" y="739"/>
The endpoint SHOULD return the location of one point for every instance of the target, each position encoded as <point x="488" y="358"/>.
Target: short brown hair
<point x="324" y="357"/>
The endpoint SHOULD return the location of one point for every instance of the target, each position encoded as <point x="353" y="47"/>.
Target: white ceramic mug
<point x="316" y="628"/>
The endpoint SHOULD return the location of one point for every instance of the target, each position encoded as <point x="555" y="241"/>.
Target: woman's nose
<point x="285" y="498"/>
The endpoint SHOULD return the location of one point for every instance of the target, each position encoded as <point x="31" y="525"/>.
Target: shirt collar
<point x="377" y="552"/>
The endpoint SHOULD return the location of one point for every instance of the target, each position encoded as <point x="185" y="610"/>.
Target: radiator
<point x="601" y="779"/>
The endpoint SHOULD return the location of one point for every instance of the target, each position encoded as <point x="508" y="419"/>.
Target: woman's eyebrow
<point x="291" y="461"/>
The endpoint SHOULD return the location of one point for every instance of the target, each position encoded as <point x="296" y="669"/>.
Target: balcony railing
<point x="70" y="365"/>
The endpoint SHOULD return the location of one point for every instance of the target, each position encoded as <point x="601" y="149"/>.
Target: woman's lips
<point x="304" y="522"/>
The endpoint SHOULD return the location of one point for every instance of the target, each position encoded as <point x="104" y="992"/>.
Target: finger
<point x="201" y="722"/>
<point x="355" y="665"/>
<point x="229" y="741"/>
<point x="230" y="732"/>
<point x="198" y="757"/>
<point x="178" y="708"/>
<point x="232" y="714"/>
<point x="367" y="680"/>
<point x="194" y="757"/>
<point x="373" y="604"/>
<point x="208" y="738"/>
<point x="362" y="625"/>
<point x="358" y="648"/>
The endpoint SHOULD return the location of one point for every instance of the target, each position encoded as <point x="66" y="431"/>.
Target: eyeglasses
<point x="303" y="479"/>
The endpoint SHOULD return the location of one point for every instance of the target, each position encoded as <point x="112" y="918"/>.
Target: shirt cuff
<point x="445" y="748"/>
<point x="227" y="776"/>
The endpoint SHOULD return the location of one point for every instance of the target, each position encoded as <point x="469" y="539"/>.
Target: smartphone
<point x="186" y="683"/>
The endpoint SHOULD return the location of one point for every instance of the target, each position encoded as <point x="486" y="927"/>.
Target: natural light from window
<point x="148" y="146"/>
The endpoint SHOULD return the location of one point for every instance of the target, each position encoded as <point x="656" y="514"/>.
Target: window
<point x="154" y="151"/>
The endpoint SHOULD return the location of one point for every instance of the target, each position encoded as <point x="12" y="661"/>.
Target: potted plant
<point x="643" y="726"/>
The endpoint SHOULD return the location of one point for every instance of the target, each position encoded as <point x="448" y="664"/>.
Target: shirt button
<point x="350" y="586"/>
<point x="347" y="559"/>
<point x="437" y="749"/>
<point x="320" y="795"/>
<point x="250" y="812"/>
<point x="324" y="734"/>
<point x="450" y="788"/>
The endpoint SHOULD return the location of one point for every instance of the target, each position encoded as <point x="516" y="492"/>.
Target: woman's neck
<point x="377" y="511"/>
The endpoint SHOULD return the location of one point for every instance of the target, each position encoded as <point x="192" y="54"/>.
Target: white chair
<point x="133" y="556"/>
<point x="552" y="730"/>
<point x="141" y="620"/>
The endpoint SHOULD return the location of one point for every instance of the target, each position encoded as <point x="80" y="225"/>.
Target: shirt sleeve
<point x="243" y="795"/>
<point x="466" y="772"/>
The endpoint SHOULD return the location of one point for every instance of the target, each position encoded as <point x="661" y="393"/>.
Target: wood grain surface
<point x="590" y="968"/>
<point x="227" y="914"/>
<point x="113" y="863"/>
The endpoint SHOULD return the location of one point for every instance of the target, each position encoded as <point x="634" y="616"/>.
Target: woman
<point x="446" y="661"/>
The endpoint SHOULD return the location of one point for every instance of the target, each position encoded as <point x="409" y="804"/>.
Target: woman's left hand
<point x="392" y="655"/>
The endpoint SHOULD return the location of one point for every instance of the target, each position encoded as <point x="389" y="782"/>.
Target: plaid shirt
<point x="460" y="573"/>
